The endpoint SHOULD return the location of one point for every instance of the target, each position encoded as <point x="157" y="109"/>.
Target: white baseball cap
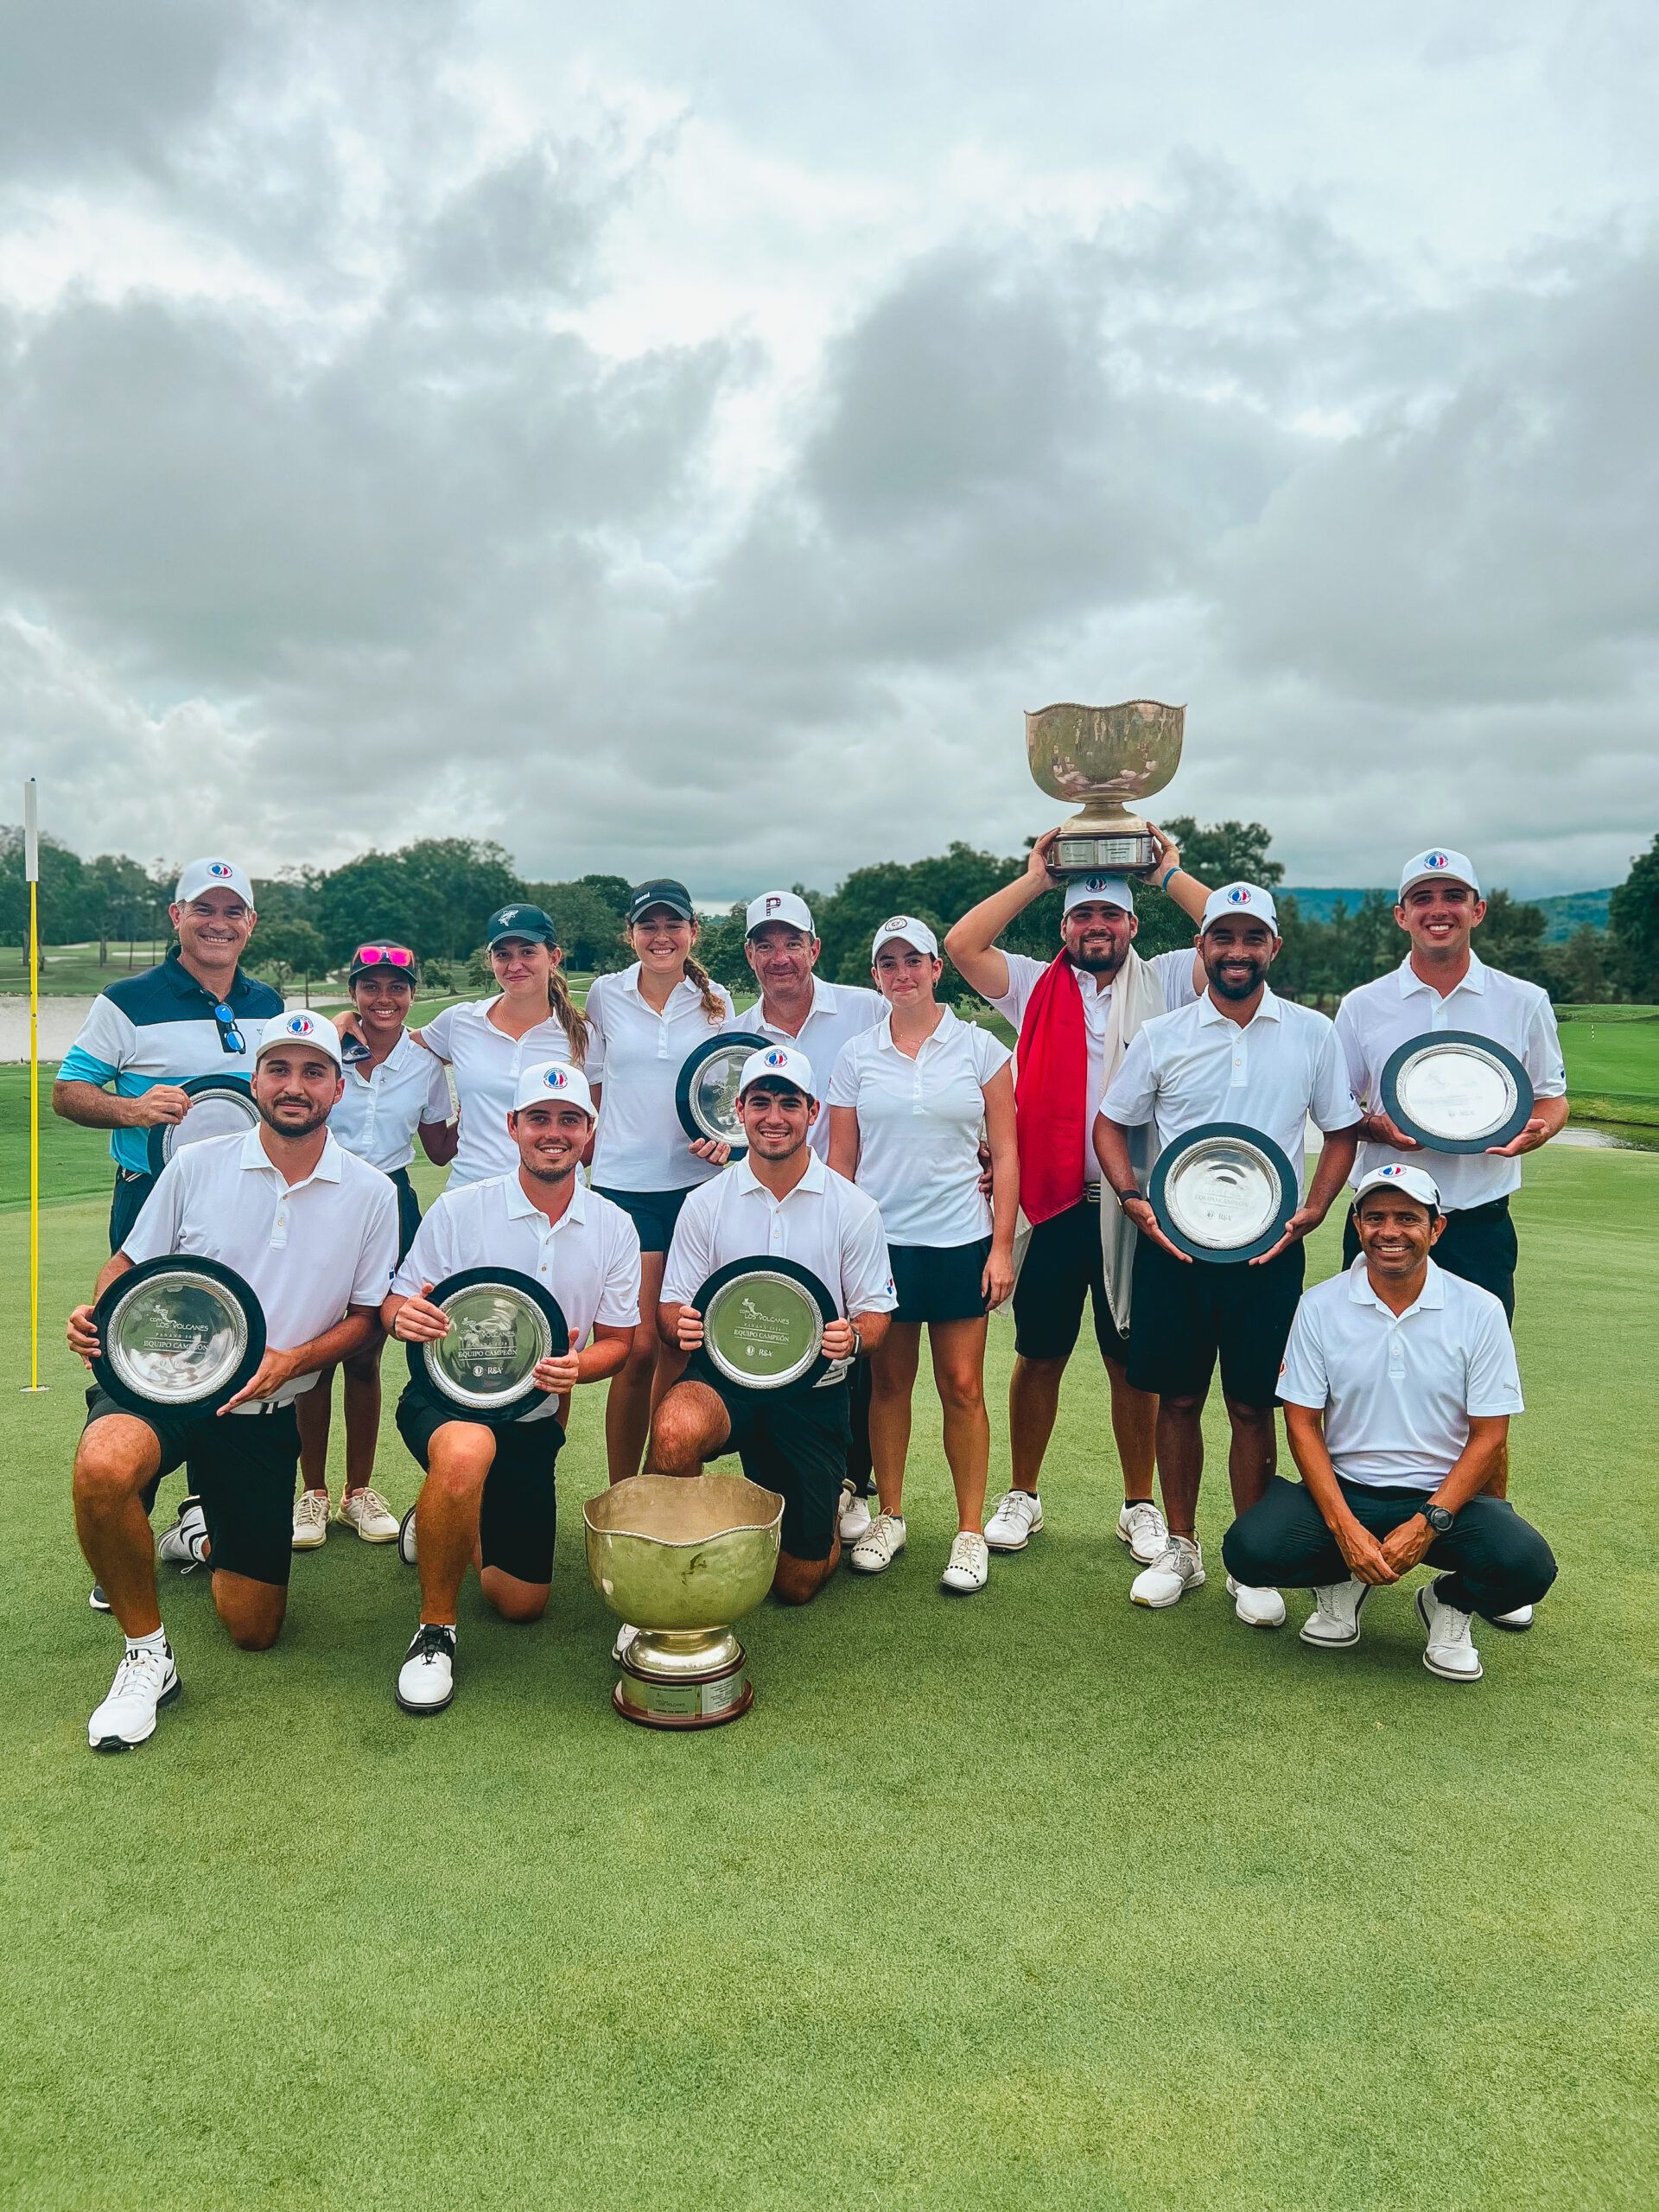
<point x="785" y="906"/>
<point x="1398" y="1177"/>
<point x="905" y="929"/>
<point x="1438" y="865"/>
<point x="783" y="1064"/>
<point x="1109" y="890"/>
<point x="302" y="1030"/>
<point x="553" y="1082"/>
<point x="1246" y="899"/>
<point x="211" y="875"/>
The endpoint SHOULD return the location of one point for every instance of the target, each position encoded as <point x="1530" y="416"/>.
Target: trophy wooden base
<point x="1099" y="856"/>
<point x="684" y="1700"/>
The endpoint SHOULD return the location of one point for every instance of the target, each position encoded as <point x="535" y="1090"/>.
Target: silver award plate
<point x="1457" y="1092"/>
<point x="706" y="1094"/>
<point x="764" y="1328"/>
<point x="1223" y="1192"/>
<point x="498" y="1334"/>
<point x="179" y="1335"/>
<point x="220" y="1106"/>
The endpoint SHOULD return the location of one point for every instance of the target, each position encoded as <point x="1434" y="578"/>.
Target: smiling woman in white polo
<point x="907" y="1102"/>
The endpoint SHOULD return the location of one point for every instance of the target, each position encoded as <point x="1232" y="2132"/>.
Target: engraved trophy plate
<point x="220" y="1106"/>
<point x="180" y="1336"/>
<point x="502" y="1325"/>
<point x="706" y="1094"/>
<point x="1223" y="1192"/>
<point x="1455" y="1091"/>
<point x="763" y="1323"/>
<point x="1104" y="756"/>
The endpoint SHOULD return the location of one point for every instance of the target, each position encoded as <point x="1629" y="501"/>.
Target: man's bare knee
<point x="112" y="1462"/>
<point x="798" y="1581"/>
<point x="513" y="1600"/>
<point x="1243" y="1415"/>
<point x="683" y="1432"/>
<point x="253" y="1613"/>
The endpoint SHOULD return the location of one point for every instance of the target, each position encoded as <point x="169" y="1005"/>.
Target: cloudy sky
<point x="686" y="438"/>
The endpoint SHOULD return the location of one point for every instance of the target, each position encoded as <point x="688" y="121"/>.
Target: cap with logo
<point x="305" y="1032"/>
<point x="781" y="1064"/>
<point x="527" y="922"/>
<point x="905" y="929"/>
<point x="1414" y="1181"/>
<point x="785" y="906"/>
<point x="1246" y="899"/>
<point x="1438" y="865"/>
<point x="211" y="875"/>
<point x="553" y="1082"/>
<point x="661" y="891"/>
<point x="1099" y="891"/>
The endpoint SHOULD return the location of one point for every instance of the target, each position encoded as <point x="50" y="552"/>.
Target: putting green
<point x="1033" y="1898"/>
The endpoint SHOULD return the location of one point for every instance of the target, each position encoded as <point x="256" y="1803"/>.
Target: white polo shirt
<point x="918" y="1128"/>
<point x="487" y="1063"/>
<point x="1279" y="1068"/>
<point x="824" y="1223"/>
<point x="638" y="1054"/>
<point x="1173" y="973"/>
<point x="380" y="1109"/>
<point x="840" y="1012"/>
<point x="589" y="1258"/>
<point x="307" y="1249"/>
<point x="1398" y="1391"/>
<point x="1375" y="1020"/>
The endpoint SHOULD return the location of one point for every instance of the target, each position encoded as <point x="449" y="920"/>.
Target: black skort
<point x="1062" y="1269"/>
<point x="794" y="1442"/>
<point x="939" y="1282"/>
<point x="1189" y="1312"/>
<point x="409" y="1211"/>
<point x="653" y="1213"/>
<point x="243" y="1468"/>
<point x="516" y="1515"/>
<point x="1479" y="1244"/>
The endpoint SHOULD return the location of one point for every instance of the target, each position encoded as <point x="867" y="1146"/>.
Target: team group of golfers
<point x="924" y="1174"/>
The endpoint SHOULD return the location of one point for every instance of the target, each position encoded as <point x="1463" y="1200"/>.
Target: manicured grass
<point x="1033" y="1899"/>
<point x="1612" y="1063"/>
<point x="71" y="970"/>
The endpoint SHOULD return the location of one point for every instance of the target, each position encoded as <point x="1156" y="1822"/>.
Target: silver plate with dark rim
<point x="1457" y="1092"/>
<point x="220" y="1106"/>
<point x="764" y="1329"/>
<point x="1224" y="1194"/>
<point x="497" y="1337"/>
<point x="706" y="1094"/>
<point x="178" y="1339"/>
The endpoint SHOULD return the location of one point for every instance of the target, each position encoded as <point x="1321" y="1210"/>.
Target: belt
<point x="1092" y="1194"/>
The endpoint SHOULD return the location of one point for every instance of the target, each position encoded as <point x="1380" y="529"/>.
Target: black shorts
<point x="653" y="1213"/>
<point x="516" y="1515"/>
<point x="242" y="1466"/>
<point x="130" y="1192"/>
<point x="408" y="1210"/>
<point x="794" y="1442"/>
<point x="1062" y="1268"/>
<point x="1477" y="1244"/>
<point x="939" y="1282"/>
<point x="1188" y="1311"/>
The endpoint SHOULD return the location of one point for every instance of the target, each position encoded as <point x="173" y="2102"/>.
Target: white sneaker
<point x="1018" y="1518"/>
<point x="1517" y="1623"/>
<point x="856" y="1517"/>
<point x="624" y="1645"/>
<point x="1451" y="1653"/>
<point x="876" y="1550"/>
<point x="144" y="1681"/>
<point x="969" y="1563"/>
<point x="426" y="1681"/>
<point x="97" y="1599"/>
<point x="1141" y="1527"/>
<point x="1179" y="1567"/>
<point x="310" y="1520"/>
<point x="1256" y="1608"/>
<point x="1334" y="1620"/>
<point x="184" y="1544"/>
<point x="367" y="1512"/>
<point x="406" y="1538"/>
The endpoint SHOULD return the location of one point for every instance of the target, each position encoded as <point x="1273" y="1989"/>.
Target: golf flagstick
<point x="32" y="875"/>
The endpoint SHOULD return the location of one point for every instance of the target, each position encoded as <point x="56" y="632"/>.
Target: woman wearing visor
<point x="907" y="1102"/>
<point x="643" y="1023"/>
<point x="393" y="1093"/>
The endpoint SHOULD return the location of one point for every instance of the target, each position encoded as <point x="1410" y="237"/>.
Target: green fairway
<point x="1033" y="1899"/>
<point x="1613" y="1061"/>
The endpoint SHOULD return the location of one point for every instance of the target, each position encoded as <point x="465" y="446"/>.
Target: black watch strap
<point x="1437" y="1518"/>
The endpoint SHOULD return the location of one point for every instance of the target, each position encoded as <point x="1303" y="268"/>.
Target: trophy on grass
<point x="1104" y="756"/>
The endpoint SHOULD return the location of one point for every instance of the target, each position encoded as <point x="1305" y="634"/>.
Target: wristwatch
<point x="1437" y="1518"/>
<point x="1127" y="1197"/>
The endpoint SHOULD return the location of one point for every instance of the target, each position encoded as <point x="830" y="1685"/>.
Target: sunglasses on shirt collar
<point x="229" y="1037"/>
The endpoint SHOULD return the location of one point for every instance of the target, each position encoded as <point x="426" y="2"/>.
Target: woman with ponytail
<point x="644" y="1022"/>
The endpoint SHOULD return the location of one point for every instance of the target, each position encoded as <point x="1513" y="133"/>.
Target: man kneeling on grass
<point x="1398" y="1384"/>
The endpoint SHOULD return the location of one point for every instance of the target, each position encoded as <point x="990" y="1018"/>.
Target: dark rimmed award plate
<point x="763" y="1324"/>
<point x="706" y="1094"/>
<point x="502" y="1325"/>
<point x="1223" y="1192"/>
<point x="1455" y="1091"/>
<point x="180" y="1336"/>
<point x="221" y="1106"/>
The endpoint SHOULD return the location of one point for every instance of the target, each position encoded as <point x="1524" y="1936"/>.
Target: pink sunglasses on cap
<point x="377" y="955"/>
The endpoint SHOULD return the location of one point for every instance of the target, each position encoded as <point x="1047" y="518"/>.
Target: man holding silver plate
<point x="1237" y="1076"/>
<point x="282" y="1234"/>
<point x="777" y="1280"/>
<point x="506" y="1282"/>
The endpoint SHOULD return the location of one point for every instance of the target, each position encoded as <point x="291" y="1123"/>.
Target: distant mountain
<point x="1563" y="914"/>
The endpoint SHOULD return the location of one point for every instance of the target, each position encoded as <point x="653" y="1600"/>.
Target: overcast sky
<point x="668" y="438"/>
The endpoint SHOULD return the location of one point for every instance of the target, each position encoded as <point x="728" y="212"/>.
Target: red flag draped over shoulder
<point x="1053" y="1082"/>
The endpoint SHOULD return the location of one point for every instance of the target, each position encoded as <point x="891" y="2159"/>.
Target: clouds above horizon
<point x="420" y="419"/>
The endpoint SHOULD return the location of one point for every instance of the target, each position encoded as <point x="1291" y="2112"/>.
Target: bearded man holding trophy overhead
<point x="1076" y="1016"/>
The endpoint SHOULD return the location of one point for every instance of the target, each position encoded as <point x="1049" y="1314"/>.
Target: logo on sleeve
<point x="1239" y="895"/>
<point x="219" y="868"/>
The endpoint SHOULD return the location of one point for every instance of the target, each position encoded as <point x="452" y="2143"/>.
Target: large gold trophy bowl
<point x="681" y="1559"/>
<point x="1104" y="756"/>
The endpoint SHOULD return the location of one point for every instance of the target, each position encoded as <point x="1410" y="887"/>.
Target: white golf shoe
<point x="881" y="1543"/>
<point x="855" y="1519"/>
<point x="1256" y="1608"/>
<point x="625" y="1639"/>
<point x="1178" y="1569"/>
<point x="1334" y="1622"/>
<point x="969" y="1565"/>
<point x="1517" y="1623"/>
<point x="145" y="1681"/>
<point x="426" y="1681"/>
<point x="184" y="1544"/>
<point x="1141" y="1526"/>
<point x="1451" y="1653"/>
<point x="367" y="1512"/>
<point x="310" y="1520"/>
<point x="1018" y="1518"/>
<point x="406" y="1538"/>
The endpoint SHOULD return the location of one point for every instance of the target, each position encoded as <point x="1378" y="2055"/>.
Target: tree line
<point x="434" y="894"/>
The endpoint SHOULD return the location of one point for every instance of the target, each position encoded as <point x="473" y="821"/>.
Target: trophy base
<point x="671" y="1679"/>
<point x="1096" y="855"/>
